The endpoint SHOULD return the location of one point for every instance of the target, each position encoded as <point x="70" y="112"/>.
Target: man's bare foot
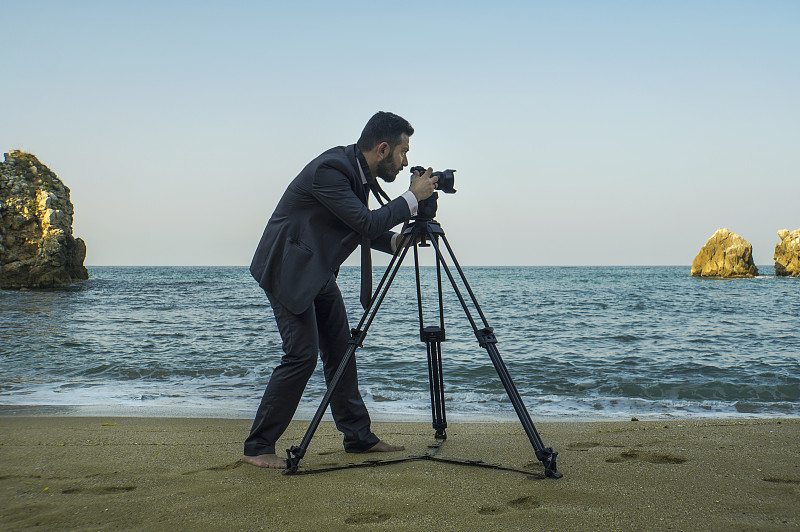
<point x="269" y="461"/>
<point x="383" y="447"/>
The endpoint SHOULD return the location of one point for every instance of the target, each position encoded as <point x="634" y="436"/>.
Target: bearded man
<point x="320" y="220"/>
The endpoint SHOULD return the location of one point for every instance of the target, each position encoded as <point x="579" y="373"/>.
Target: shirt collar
<point x="363" y="167"/>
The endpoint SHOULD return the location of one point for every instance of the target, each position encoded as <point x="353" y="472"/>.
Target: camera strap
<point x="371" y="182"/>
<point x="377" y="191"/>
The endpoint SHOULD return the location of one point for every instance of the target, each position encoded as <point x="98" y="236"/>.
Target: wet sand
<point x="113" y="473"/>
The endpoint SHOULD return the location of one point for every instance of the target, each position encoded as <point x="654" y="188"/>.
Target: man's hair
<point x="383" y="127"/>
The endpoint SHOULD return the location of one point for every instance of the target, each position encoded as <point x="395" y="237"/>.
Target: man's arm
<point x="419" y="190"/>
<point x="333" y="189"/>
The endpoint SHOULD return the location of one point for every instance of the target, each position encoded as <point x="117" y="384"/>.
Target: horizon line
<point x="411" y="266"/>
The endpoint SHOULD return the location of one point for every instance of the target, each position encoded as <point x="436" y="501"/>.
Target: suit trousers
<point x="321" y="329"/>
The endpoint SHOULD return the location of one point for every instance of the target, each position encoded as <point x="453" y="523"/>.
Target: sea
<point x="580" y="343"/>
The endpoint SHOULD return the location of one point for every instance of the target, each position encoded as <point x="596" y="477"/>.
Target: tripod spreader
<point x="432" y="334"/>
<point x="486" y="336"/>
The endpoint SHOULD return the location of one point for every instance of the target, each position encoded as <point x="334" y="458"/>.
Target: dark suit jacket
<point x="317" y="224"/>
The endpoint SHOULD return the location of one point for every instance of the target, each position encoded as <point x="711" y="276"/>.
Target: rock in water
<point x="787" y="253"/>
<point x="37" y="249"/>
<point x="725" y="254"/>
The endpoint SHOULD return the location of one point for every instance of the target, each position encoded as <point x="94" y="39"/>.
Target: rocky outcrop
<point x="787" y="253"/>
<point x="37" y="249"/>
<point x="725" y="254"/>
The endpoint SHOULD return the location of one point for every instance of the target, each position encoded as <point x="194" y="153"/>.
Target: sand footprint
<point x="521" y="503"/>
<point x="642" y="456"/>
<point x="524" y="503"/>
<point x="222" y="467"/>
<point x="491" y="510"/>
<point x="100" y="490"/>
<point x="362" y="518"/>
<point x="582" y="445"/>
<point x="779" y="480"/>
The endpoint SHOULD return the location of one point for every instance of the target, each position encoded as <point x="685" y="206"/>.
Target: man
<point x="318" y="223"/>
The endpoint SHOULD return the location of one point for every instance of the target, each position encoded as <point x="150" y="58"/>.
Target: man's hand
<point x="423" y="185"/>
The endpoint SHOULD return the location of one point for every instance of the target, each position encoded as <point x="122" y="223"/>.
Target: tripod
<point x="424" y="232"/>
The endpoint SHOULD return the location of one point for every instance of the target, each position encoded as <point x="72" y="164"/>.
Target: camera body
<point x="427" y="207"/>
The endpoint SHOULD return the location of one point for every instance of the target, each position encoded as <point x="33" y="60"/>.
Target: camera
<point x="427" y="207"/>
<point x="445" y="182"/>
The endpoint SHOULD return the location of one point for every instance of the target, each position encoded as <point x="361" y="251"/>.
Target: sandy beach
<point x="108" y="473"/>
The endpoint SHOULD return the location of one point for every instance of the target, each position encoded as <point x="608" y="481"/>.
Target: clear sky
<point x="582" y="132"/>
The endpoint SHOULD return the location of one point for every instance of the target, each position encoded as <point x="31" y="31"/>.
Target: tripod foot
<point x="293" y="457"/>
<point x="548" y="458"/>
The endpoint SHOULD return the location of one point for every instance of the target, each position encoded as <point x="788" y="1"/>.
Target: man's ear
<point x="383" y="149"/>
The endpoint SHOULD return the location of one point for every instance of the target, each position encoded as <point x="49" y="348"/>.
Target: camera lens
<point x="446" y="181"/>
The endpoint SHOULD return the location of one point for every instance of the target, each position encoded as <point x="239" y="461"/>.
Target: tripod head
<point x="421" y="228"/>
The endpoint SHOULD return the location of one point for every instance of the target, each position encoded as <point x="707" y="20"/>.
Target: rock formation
<point x="787" y="253"/>
<point x="37" y="249"/>
<point x="725" y="254"/>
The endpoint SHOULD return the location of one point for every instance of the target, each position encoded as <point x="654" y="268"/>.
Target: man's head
<point x="384" y="143"/>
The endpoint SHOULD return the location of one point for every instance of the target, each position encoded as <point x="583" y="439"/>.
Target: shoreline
<point x="150" y="473"/>
<point x="306" y="414"/>
<point x="302" y="414"/>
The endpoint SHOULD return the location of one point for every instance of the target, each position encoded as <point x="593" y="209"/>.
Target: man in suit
<point x="320" y="220"/>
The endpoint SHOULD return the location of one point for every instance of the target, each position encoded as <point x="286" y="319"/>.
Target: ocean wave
<point x="576" y="341"/>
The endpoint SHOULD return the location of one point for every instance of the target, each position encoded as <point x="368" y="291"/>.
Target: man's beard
<point x="387" y="170"/>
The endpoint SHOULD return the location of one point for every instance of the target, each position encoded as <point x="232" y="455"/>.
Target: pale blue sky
<point x="583" y="133"/>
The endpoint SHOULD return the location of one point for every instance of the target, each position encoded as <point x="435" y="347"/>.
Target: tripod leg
<point x="546" y="455"/>
<point x="487" y="340"/>
<point x="433" y="337"/>
<point x="295" y="453"/>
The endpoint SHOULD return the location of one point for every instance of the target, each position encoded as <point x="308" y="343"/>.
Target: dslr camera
<point x="427" y="207"/>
